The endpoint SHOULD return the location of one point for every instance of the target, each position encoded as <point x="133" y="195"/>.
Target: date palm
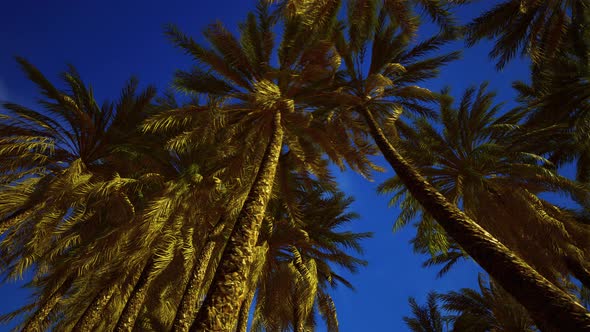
<point x="172" y="225"/>
<point x="538" y="29"/>
<point x="474" y="162"/>
<point x="403" y="11"/>
<point x="490" y="309"/>
<point x="297" y="273"/>
<point x="368" y="95"/>
<point x="62" y="163"/>
<point x="267" y="102"/>
<point x="204" y="197"/>
<point x="94" y="216"/>
<point x="426" y="318"/>
<point x="221" y="171"/>
<point x="558" y="97"/>
<point x="73" y="130"/>
<point x="293" y="182"/>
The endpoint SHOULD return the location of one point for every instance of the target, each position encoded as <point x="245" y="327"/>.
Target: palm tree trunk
<point x="91" y="315"/>
<point x="35" y="323"/>
<point x="222" y="304"/>
<point x="12" y="220"/>
<point x="544" y="301"/>
<point x="187" y="309"/>
<point x="133" y="305"/>
<point x="254" y="276"/>
<point x="245" y="310"/>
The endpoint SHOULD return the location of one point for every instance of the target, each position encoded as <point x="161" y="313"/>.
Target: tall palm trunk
<point x="12" y="220"/>
<point x="222" y="304"/>
<point x="7" y="225"/>
<point x="91" y="315"/>
<point x="136" y="299"/>
<point x="254" y="275"/>
<point x="245" y="310"/>
<point x="545" y="302"/>
<point x="35" y="323"/>
<point x="187" y="309"/>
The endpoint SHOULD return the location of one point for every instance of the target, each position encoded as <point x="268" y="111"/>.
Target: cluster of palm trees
<point x="214" y="209"/>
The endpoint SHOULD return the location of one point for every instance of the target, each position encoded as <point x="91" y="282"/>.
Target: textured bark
<point x="35" y="323"/>
<point x="91" y="315"/>
<point x="222" y="304"/>
<point x="254" y="276"/>
<point x="545" y="302"/>
<point x="133" y="306"/>
<point x="187" y="310"/>
<point x="12" y="221"/>
<point x="245" y="311"/>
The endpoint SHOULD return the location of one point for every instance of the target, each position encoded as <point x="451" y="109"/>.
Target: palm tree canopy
<point x="535" y="28"/>
<point x="304" y="253"/>
<point x="489" y="309"/>
<point x="66" y="163"/>
<point x="475" y="161"/>
<point x="427" y="318"/>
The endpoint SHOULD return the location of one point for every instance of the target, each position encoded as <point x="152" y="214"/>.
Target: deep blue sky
<point x="108" y="41"/>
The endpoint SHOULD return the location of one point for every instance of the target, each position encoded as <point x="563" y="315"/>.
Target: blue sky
<point x="108" y="41"/>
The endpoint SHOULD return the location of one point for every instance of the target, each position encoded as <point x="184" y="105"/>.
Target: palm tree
<point x="83" y="132"/>
<point x="91" y="315"/>
<point x="293" y="182"/>
<point x="297" y="271"/>
<point x="210" y="176"/>
<point x="490" y="309"/>
<point x="61" y="162"/>
<point x="188" y="305"/>
<point x="474" y="162"/>
<point x="535" y="28"/>
<point x="170" y="227"/>
<point x="403" y="11"/>
<point x="254" y="276"/>
<point x="426" y="318"/>
<point x="266" y="103"/>
<point x="372" y="97"/>
<point x="86" y="206"/>
<point x="203" y="198"/>
<point x="557" y="98"/>
<point x="137" y="279"/>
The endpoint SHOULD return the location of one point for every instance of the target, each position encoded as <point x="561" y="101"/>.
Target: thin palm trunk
<point x="245" y="310"/>
<point x="133" y="305"/>
<point x="187" y="309"/>
<point x="7" y="225"/>
<point x="222" y="304"/>
<point x="35" y="323"/>
<point x="254" y="276"/>
<point x="545" y="302"/>
<point x="13" y="220"/>
<point x="91" y="315"/>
